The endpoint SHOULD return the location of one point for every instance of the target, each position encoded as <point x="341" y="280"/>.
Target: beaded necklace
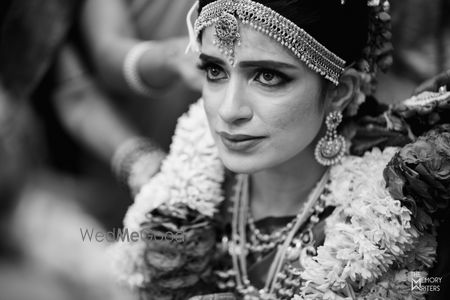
<point x="238" y="245"/>
<point x="263" y="243"/>
<point x="260" y="242"/>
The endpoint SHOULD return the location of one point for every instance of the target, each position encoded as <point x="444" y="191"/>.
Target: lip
<point x="239" y="142"/>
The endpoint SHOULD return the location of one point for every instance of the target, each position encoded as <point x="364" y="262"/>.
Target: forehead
<point x="254" y="46"/>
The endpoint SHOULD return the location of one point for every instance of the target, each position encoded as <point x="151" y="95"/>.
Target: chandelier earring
<point x="331" y="148"/>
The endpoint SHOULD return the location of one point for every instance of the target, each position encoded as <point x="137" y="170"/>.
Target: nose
<point x="234" y="108"/>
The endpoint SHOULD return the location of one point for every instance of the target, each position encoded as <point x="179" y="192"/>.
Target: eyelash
<point x="283" y="78"/>
<point x="207" y="66"/>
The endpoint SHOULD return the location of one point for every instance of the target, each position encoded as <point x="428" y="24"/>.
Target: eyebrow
<point x="251" y="63"/>
<point x="271" y="64"/>
<point x="211" y="59"/>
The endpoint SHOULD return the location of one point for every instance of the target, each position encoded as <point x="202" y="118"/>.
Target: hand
<point x="433" y="84"/>
<point x="136" y="161"/>
<point x="166" y="62"/>
<point x="185" y="65"/>
<point x="143" y="169"/>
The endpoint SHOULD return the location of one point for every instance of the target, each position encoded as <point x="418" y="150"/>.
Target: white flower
<point x="423" y="253"/>
<point x="151" y="196"/>
<point x="191" y="174"/>
<point x="394" y="284"/>
<point x="128" y="264"/>
<point x="367" y="231"/>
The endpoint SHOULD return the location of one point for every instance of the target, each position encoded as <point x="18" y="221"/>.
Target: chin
<point x="242" y="168"/>
<point x="243" y="164"/>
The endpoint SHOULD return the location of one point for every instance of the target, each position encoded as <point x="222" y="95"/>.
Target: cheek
<point x="300" y="114"/>
<point x="211" y="103"/>
<point x="297" y="124"/>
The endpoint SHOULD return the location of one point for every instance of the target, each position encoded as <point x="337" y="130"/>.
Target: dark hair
<point x="341" y="28"/>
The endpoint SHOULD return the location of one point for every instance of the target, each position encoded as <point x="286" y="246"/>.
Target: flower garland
<point x="367" y="234"/>
<point x="191" y="174"/>
<point x="190" y="180"/>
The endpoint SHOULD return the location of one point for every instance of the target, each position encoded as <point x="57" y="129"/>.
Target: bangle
<point x="129" y="153"/>
<point x="130" y="68"/>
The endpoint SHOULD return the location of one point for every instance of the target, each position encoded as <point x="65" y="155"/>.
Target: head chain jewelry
<point x="224" y="15"/>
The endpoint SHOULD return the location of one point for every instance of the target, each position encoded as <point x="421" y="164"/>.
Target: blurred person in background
<point x="137" y="50"/>
<point x="85" y="129"/>
<point x="118" y="96"/>
<point x="421" y="40"/>
<point x="41" y="253"/>
<point x="56" y="197"/>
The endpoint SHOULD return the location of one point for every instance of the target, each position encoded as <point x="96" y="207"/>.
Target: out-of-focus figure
<point x="421" y="39"/>
<point x="146" y="39"/>
<point x="119" y="94"/>
<point x="42" y="255"/>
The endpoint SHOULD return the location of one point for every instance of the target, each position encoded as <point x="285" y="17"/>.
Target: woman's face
<point x="264" y="111"/>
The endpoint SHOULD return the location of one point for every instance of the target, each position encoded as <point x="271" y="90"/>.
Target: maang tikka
<point x="227" y="35"/>
<point x="331" y="148"/>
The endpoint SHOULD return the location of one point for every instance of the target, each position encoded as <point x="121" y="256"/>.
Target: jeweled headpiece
<point x="225" y="14"/>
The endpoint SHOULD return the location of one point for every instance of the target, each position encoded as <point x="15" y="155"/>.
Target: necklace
<point x="262" y="243"/>
<point x="239" y="251"/>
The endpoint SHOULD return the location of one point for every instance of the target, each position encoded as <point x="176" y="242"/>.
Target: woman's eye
<point x="215" y="72"/>
<point x="270" y="78"/>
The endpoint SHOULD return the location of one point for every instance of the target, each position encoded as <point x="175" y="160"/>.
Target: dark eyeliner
<point x="202" y="66"/>
<point x="207" y="66"/>
<point x="284" y="79"/>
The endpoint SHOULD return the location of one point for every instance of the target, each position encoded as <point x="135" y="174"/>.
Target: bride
<point x="259" y="187"/>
